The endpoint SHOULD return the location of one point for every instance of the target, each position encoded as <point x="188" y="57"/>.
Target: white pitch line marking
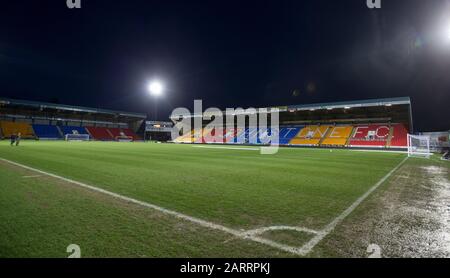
<point x="207" y="224"/>
<point x="307" y="247"/>
<point x="228" y="148"/>
<point x="33" y="176"/>
<point x="249" y="234"/>
<point x="277" y="228"/>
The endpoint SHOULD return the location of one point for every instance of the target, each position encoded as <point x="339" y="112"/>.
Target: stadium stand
<point x="310" y="135"/>
<point x="46" y="131"/>
<point x="131" y="133"/>
<point x="337" y="136"/>
<point x="52" y="120"/>
<point x="73" y="130"/>
<point x="215" y="135"/>
<point x="370" y="135"/>
<point x="116" y="132"/>
<point x="230" y="135"/>
<point x="186" y="138"/>
<point x="100" y="133"/>
<point x="10" y="128"/>
<point x="373" y="123"/>
<point x="288" y="133"/>
<point x="399" y="136"/>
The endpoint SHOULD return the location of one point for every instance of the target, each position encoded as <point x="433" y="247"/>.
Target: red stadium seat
<point x="370" y="135"/>
<point x="123" y="132"/>
<point x="100" y="133"/>
<point x="131" y="133"/>
<point x="399" y="136"/>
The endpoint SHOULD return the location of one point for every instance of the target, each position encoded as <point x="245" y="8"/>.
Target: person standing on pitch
<point x="18" y="137"/>
<point x="13" y="139"/>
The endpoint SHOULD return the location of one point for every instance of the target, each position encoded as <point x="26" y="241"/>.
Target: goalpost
<point x="77" y="137"/>
<point x="124" y="138"/>
<point x="418" y="146"/>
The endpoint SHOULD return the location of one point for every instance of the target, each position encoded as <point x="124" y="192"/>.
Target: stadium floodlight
<point x="155" y="88"/>
<point x="447" y="32"/>
<point x="443" y="31"/>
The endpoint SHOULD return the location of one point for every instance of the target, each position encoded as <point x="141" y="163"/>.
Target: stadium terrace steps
<point x="10" y="128"/>
<point x="46" y="131"/>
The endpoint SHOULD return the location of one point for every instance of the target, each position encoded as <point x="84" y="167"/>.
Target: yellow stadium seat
<point x="338" y="136"/>
<point x="310" y="135"/>
<point x="186" y="138"/>
<point x="10" y="128"/>
<point x="298" y="141"/>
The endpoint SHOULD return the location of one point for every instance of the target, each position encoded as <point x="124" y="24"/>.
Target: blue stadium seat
<point x="287" y="133"/>
<point x="46" y="131"/>
<point x="73" y="130"/>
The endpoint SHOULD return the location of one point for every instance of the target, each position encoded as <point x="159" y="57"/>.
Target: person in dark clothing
<point x="13" y="139"/>
<point x="18" y="137"/>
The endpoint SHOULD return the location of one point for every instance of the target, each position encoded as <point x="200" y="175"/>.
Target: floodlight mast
<point x="155" y="89"/>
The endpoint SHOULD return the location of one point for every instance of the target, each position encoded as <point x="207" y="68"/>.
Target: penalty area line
<point x="32" y="176"/>
<point x="307" y="247"/>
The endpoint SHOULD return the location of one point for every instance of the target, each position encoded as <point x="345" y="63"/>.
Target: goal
<point x="77" y="137"/>
<point x="418" y="146"/>
<point x="124" y="138"/>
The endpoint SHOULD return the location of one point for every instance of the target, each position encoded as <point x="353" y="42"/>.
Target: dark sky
<point x="229" y="53"/>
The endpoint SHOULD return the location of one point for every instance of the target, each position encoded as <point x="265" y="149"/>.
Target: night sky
<point x="229" y="53"/>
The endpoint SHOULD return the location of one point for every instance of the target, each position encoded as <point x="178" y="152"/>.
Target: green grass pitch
<point x="239" y="189"/>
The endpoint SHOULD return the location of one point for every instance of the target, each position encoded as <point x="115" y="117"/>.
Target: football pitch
<point x="167" y="200"/>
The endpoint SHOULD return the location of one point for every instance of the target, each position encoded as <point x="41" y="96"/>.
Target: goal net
<point x="77" y="137"/>
<point x="418" y="146"/>
<point x="124" y="138"/>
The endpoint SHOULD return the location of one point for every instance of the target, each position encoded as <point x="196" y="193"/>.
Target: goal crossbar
<point x="418" y="146"/>
<point x="77" y="137"/>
